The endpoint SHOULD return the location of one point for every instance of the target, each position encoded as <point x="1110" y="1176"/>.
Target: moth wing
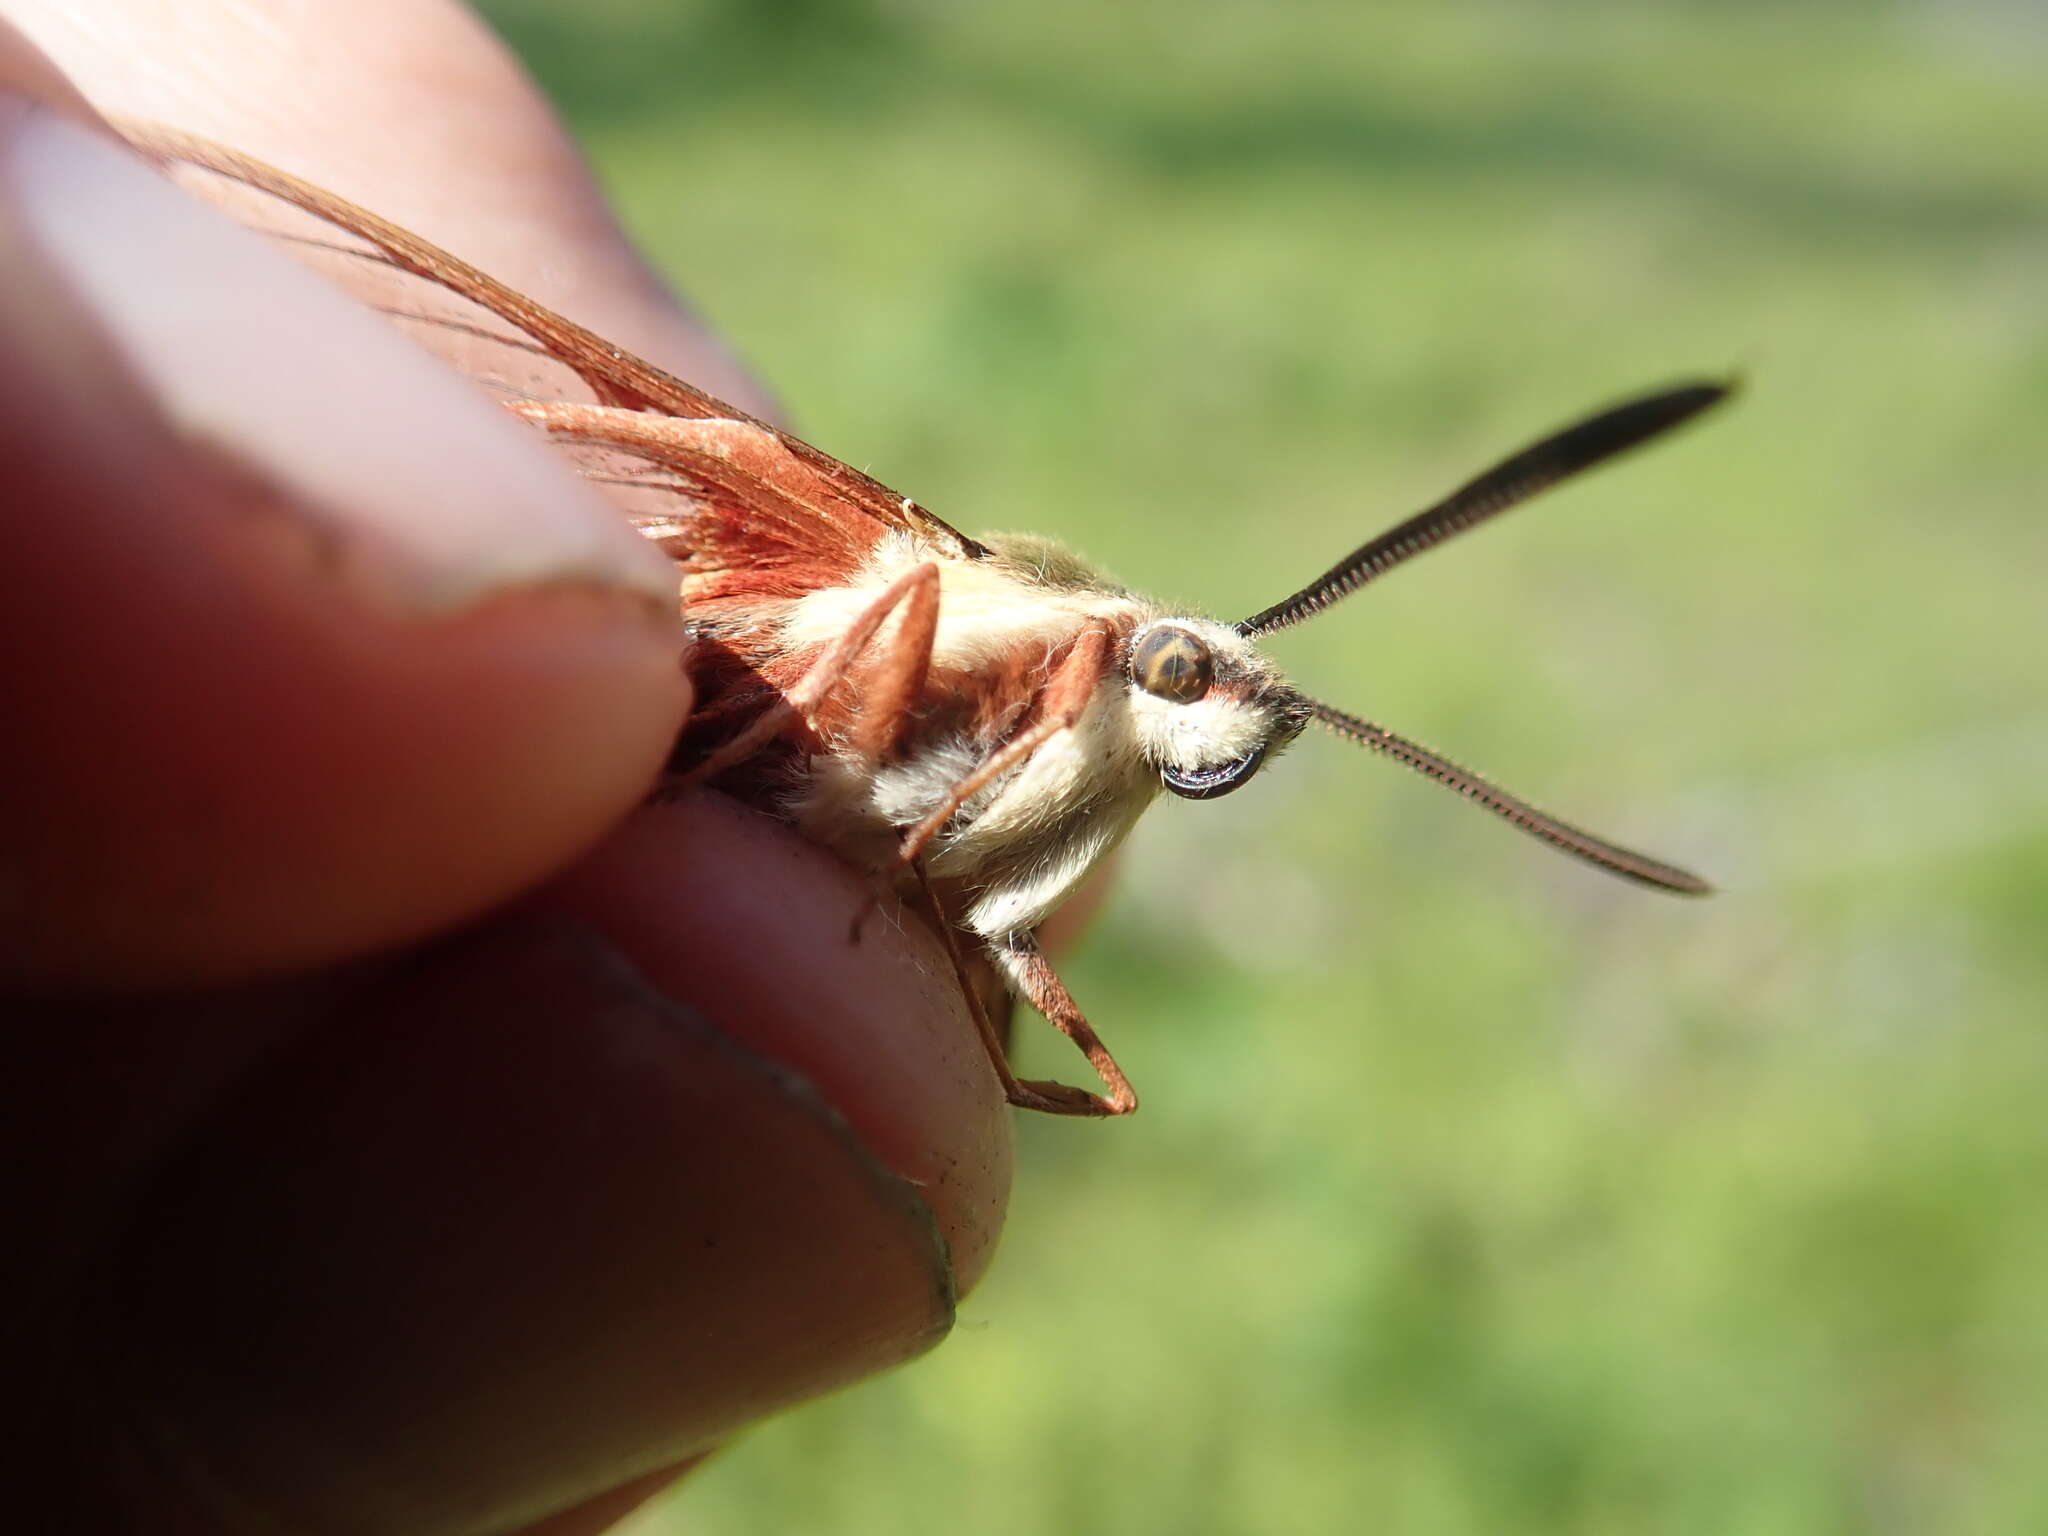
<point x="732" y="496"/>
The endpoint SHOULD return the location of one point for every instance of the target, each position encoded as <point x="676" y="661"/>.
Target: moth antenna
<point x="1508" y="484"/>
<point x="1614" y="859"/>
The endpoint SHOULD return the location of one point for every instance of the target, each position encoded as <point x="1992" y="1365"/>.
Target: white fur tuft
<point x="1025" y="841"/>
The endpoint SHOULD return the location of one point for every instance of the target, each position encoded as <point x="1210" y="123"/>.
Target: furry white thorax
<point x="985" y="607"/>
<point x="1027" y="839"/>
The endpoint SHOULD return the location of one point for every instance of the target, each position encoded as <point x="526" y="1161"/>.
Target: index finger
<point x="313" y="650"/>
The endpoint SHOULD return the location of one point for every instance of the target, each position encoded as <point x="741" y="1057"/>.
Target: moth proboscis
<point x="982" y="717"/>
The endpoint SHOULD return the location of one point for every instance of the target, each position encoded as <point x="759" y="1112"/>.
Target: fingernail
<point x="407" y="470"/>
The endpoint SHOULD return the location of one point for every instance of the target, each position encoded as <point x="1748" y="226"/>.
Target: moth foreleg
<point x="893" y="680"/>
<point x="1019" y="958"/>
<point x="984" y="1023"/>
<point x="900" y="676"/>
<point x="1061" y="703"/>
<point x="1025" y="963"/>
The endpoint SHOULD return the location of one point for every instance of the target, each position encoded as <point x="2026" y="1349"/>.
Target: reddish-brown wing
<point x="744" y="507"/>
<point x="753" y="517"/>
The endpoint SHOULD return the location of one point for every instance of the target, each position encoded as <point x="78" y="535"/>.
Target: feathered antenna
<point x="1562" y="835"/>
<point x="1508" y="484"/>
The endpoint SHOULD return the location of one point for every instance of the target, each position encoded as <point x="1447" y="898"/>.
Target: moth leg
<point x="1020" y="956"/>
<point x="984" y="1025"/>
<point x="901" y="676"/>
<point x="1061" y="702"/>
<point x="894" y="679"/>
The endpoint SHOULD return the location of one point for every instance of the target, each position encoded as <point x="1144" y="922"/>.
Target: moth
<point x="977" y="721"/>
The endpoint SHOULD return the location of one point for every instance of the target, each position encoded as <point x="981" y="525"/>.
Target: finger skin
<point x="252" y="732"/>
<point x="338" y="1213"/>
<point x="216" y="1146"/>
<point x="508" y="1229"/>
<point x="390" y="103"/>
<point x="508" y="165"/>
<point x="975" y="1138"/>
<point x="721" y="905"/>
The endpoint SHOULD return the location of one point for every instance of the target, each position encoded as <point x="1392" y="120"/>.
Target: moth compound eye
<point x="1173" y="664"/>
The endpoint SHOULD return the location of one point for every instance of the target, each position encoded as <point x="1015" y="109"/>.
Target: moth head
<point x="1216" y="709"/>
<point x="1208" y="709"/>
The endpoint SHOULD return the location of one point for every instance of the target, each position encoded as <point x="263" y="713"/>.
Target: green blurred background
<point x="1474" y="1192"/>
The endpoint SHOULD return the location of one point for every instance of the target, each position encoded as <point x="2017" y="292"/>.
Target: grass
<point x="1473" y="1192"/>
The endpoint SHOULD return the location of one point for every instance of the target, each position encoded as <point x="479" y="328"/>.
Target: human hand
<point x="405" y="1131"/>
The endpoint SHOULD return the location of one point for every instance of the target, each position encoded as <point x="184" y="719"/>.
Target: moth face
<point x="1207" y="708"/>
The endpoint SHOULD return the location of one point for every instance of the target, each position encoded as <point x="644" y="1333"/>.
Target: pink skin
<point x="403" y="1131"/>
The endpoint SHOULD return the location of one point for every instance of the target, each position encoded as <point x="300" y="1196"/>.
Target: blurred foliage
<point x="1474" y="1192"/>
